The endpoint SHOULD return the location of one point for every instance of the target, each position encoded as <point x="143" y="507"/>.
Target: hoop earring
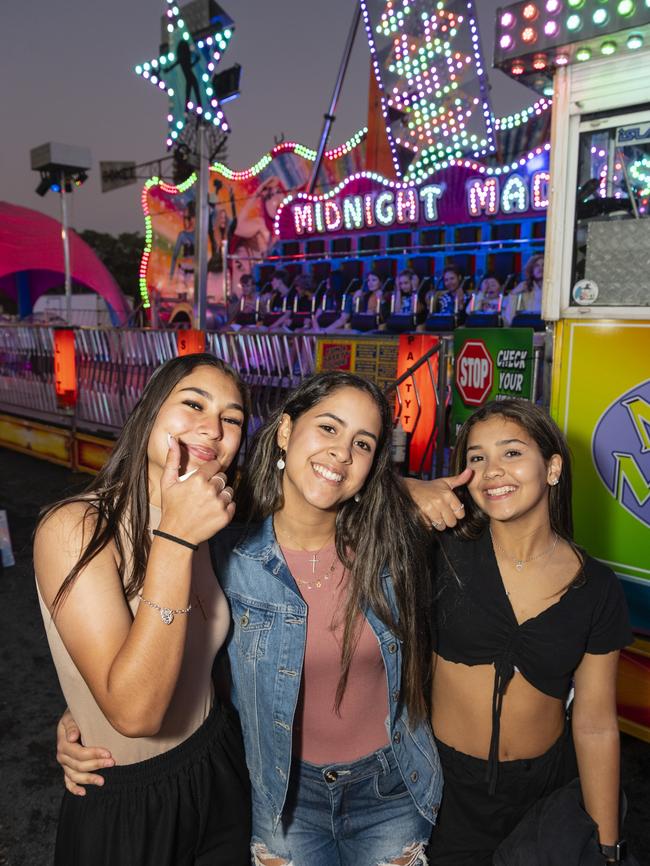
<point x="281" y="462"/>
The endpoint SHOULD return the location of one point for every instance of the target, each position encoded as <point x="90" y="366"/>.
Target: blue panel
<point x="25" y="305"/>
<point x="637" y="593"/>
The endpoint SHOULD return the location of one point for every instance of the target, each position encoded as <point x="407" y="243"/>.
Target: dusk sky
<point x="68" y="77"/>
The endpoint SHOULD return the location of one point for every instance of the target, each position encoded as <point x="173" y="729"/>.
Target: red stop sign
<point x="474" y="373"/>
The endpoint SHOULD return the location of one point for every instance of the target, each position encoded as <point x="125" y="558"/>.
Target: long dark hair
<point x="382" y="530"/>
<point x="118" y="497"/>
<point x="548" y="438"/>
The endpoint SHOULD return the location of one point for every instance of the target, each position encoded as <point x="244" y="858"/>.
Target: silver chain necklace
<point x="519" y="563"/>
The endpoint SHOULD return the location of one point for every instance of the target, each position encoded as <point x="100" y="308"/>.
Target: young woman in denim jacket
<point x="328" y="586"/>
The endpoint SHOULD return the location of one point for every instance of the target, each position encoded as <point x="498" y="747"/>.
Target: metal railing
<point x="113" y="367"/>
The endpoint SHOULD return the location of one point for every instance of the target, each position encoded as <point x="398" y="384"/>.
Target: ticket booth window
<point x="611" y="252"/>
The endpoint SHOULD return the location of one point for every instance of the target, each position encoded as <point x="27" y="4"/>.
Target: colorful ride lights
<point x="573" y="22"/>
<point x="540" y="61"/>
<point x="608" y="47"/>
<point x="583" y="54"/>
<point x="507" y="19"/>
<point x="528" y="34"/>
<point x="634" y="41"/>
<point x="576" y="4"/>
<point x="506" y="41"/>
<point x="553" y="6"/>
<point x="530" y="11"/>
<point x="517" y="68"/>
<point x="600" y="16"/>
<point x="551" y="28"/>
<point x="625" y="8"/>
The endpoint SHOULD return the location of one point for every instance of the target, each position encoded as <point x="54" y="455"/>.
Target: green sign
<point x="490" y="364"/>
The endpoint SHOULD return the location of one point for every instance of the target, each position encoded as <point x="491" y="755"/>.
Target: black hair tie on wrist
<point x="175" y="538"/>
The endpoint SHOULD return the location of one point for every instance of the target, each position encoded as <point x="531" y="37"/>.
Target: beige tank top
<point x="209" y="621"/>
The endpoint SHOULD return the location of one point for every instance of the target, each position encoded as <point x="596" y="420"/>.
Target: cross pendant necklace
<point x="314" y="562"/>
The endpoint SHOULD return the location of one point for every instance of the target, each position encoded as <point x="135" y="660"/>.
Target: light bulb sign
<point x="461" y="193"/>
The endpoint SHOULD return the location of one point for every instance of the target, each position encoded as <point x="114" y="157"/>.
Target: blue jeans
<point x="358" y="814"/>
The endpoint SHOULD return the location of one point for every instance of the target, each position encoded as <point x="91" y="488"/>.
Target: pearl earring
<point x="555" y="481"/>
<point x="357" y="497"/>
<point x="281" y="462"/>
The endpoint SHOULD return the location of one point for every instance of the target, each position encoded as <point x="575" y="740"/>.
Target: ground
<point x="31" y="700"/>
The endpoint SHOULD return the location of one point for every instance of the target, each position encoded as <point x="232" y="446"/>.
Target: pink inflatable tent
<point x="31" y="261"/>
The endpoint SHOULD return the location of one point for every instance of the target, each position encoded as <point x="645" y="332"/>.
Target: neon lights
<point x="399" y="203"/>
<point x="353" y="212"/>
<point x="286" y="146"/>
<point x="513" y="120"/>
<point x="626" y="8"/>
<point x="192" y="62"/>
<point x="433" y="87"/>
<point x="482" y="196"/>
<point x="406" y="204"/>
<point x="148" y="228"/>
<point x="333" y="216"/>
<point x="514" y="197"/>
<point x="539" y="190"/>
<point x="640" y="172"/>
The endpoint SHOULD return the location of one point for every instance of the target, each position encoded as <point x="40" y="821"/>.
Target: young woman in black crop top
<point x="521" y="615"/>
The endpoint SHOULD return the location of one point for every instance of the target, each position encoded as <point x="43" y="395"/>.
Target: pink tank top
<point x="321" y="735"/>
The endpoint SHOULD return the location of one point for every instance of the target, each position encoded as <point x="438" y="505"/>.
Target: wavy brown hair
<point x="117" y="499"/>
<point x="549" y="439"/>
<point x="382" y="530"/>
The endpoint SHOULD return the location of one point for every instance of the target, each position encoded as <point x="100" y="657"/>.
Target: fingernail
<point x="108" y="763"/>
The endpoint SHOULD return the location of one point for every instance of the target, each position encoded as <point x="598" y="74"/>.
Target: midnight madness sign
<point x="461" y="193"/>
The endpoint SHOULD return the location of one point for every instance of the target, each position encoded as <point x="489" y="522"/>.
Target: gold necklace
<point x="316" y="584"/>
<point x="519" y="563"/>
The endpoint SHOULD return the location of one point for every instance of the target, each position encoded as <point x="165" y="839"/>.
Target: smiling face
<point x="205" y="414"/>
<point x="451" y="281"/>
<point x="329" y="450"/>
<point x="511" y="478"/>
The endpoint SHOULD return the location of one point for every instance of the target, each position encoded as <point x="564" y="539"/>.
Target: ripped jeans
<point x="358" y="814"/>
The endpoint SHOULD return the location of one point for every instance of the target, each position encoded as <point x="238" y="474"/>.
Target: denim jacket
<point x="267" y="649"/>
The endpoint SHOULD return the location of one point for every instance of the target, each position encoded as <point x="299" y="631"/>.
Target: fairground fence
<point x="112" y="366"/>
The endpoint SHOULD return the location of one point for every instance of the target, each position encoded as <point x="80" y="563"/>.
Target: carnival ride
<point x="432" y="179"/>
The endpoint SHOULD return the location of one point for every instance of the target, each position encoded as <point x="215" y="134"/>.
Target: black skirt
<point x="187" y="807"/>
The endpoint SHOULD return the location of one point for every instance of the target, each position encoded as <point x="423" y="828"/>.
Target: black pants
<point x="187" y="807"/>
<point x="471" y="822"/>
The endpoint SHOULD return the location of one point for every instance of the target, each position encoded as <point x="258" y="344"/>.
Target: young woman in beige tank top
<point x="135" y="616"/>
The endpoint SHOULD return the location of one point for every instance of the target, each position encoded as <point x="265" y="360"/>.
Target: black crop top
<point x="474" y="624"/>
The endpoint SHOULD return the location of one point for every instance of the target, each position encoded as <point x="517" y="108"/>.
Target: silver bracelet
<point x="166" y="613"/>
